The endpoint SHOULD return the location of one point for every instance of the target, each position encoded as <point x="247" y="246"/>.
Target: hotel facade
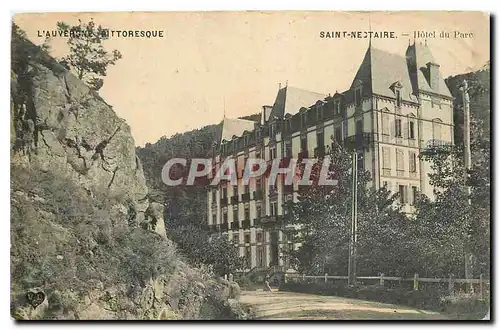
<point x="396" y="107"/>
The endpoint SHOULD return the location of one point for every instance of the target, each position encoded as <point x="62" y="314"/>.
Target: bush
<point x="437" y="300"/>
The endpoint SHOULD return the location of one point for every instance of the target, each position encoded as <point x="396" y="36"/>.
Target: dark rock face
<point x="62" y="125"/>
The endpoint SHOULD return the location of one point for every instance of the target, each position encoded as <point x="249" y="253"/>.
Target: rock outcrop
<point x="61" y="125"/>
<point x="87" y="242"/>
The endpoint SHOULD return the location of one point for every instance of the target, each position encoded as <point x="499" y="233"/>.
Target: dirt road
<point x="290" y="305"/>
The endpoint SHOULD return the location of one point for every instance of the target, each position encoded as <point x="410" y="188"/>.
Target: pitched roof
<point x="291" y="99"/>
<point x="420" y="55"/>
<point x="380" y="71"/>
<point x="235" y="127"/>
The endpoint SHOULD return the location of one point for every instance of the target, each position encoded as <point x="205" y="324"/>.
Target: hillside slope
<point x="86" y="241"/>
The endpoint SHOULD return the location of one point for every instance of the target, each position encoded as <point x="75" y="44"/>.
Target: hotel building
<point x="395" y="107"/>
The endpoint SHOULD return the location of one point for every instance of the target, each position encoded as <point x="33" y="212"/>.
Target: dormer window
<point x="303" y="118"/>
<point x="272" y="129"/>
<point x="245" y="139"/>
<point x="357" y="97"/>
<point x="336" y="107"/>
<point x="319" y="112"/>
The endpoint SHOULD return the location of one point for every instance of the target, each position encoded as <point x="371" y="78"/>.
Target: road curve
<point x="301" y="306"/>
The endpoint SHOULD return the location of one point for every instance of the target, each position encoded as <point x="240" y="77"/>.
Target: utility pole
<point x="351" y="270"/>
<point x="467" y="164"/>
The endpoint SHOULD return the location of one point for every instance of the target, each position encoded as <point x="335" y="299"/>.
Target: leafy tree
<point x="324" y="216"/>
<point x="87" y="56"/>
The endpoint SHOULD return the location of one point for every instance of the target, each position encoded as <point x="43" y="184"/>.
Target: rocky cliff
<point x="87" y="243"/>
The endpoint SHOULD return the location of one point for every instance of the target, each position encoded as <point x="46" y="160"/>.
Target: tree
<point x="87" y="56"/>
<point x="323" y="214"/>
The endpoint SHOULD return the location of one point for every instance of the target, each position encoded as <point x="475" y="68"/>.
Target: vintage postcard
<point x="285" y="165"/>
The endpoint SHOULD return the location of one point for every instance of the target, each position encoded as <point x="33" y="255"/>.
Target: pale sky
<point x="169" y="85"/>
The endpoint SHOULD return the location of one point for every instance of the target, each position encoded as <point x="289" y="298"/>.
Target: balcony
<point x="223" y="201"/>
<point x="212" y="228"/>
<point x="258" y="195"/>
<point x="245" y="224"/>
<point x="235" y="225"/>
<point x="245" y="197"/>
<point x="224" y="226"/>
<point x="358" y="141"/>
<point x="272" y="220"/>
<point x="234" y="200"/>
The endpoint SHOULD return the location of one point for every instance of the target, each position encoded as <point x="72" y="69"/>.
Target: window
<point x="385" y="124"/>
<point x="224" y="192"/>
<point x="400" y="165"/>
<point x="247" y="238"/>
<point x="336" y="108"/>
<point x="236" y="238"/>
<point x="361" y="163"/>
<point x="274" y="208"/>
<point x="258" y="184"/>
<point x="359" y="127"/>
<point x="338" y="134"/>
<point x="303" y="142"/>
<point x="272" y="152"/>
<point x="414" y="194"/>
<point x="397" y="126"/>
<point x="258" y="211"/>
<point x="319" y="113"/>
<point x="259" y="237"/>
<point x="303" y="118"/>
<point x="214" y="195"/>
<point x="288" y="148"/>
<point x="247" y="214"/>
<point x="411" y="132"/>
<point x="272" y="129"/>
<point x="257" y="154"/>
<point x="436" y="130"/>
<point x="398" y="98"/>
<point x="247" y="189"/>
<point x="357" y="97"/>
<point x="245" y="140"/>
<point x="224" y="217"/>
<point x="245" y="161"/>
<point x="413" y="162"/>
<point x="386" y="157"/>
<point x="403" y="192"/>
<point x="248" y="257"/>
<point x="214" y="219"/>
<point x="235" y="190"/>
<point x="320" y="140"/>
<point x="235" y="215"/>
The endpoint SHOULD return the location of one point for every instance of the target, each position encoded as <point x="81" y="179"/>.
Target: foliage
<point x="185" y="206"/>
<point x="324" y="216"/>
<point x="431" y="298"/>
<point x="87" y="56"/>
<point x="74" y="246"/>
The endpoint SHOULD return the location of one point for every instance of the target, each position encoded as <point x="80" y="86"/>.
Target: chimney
<point x="433" y="76"/>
